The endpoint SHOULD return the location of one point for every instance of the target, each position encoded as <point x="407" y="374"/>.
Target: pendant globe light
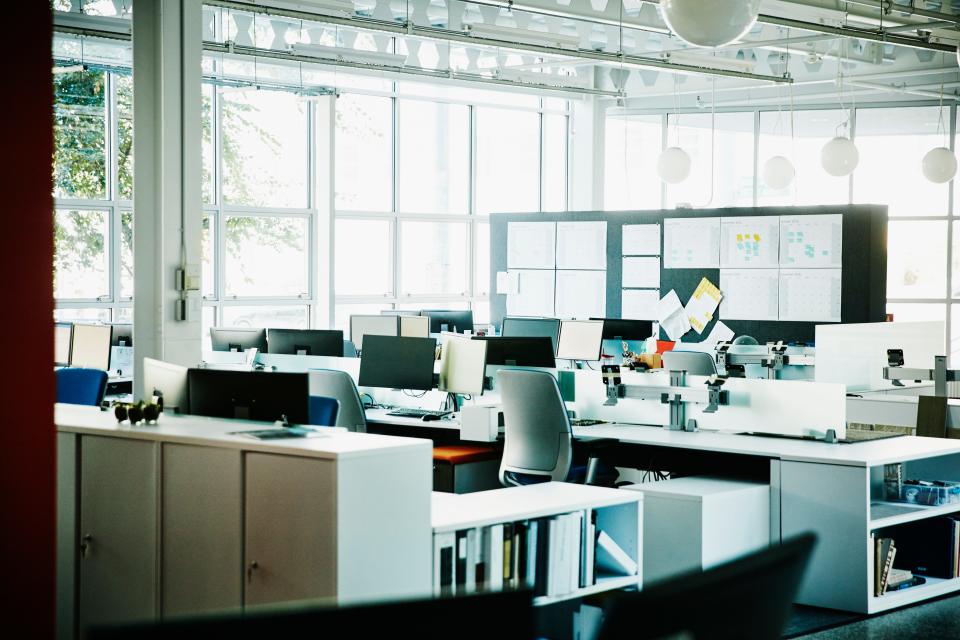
<point x="840" y="157"/>
<point x="673" y="165"/>
<point x="712" y="23"/>
<point x="939" y="165"/>
<point x="778" y="171"/>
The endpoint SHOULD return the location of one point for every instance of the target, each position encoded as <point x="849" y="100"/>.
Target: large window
<point x="93" y="188"/>
<point x="418" y="170"/>
<point x="923" y="250"/>
<point x="257" y="238"/>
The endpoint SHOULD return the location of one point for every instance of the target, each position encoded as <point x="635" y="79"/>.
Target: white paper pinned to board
<point x="534" y="295"/>
<point x="639" y="304"/>
<point x="641" y="273"/>
<point x="749" y="294"/>
<point x="508" y="282"/>
<point x="672" y="317"/>
<point x="531" y="245"/>
<point x="690" y="243"/>
<point x="582" y="245"/>
<point x="641" y="239"/>
<point x="810" y="295"/>
<point x="581" y="294"/>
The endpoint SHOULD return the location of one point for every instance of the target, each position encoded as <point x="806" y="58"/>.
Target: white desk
<point x="185" y="517"/>
<point x="379" y="416"/>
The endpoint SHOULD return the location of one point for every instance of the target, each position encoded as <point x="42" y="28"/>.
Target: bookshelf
<point x="847" y="506"/>
<point x="617" y="513"/>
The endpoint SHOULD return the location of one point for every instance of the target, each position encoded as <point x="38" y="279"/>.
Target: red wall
<point x="27" y="443"/>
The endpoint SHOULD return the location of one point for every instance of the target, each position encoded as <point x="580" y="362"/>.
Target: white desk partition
<point x="855" y="354"/>
<point x="782" y="407"/>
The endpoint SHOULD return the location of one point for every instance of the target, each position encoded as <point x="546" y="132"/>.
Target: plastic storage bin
<point x="933" y="495"/>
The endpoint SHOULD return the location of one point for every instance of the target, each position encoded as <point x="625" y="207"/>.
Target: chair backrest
<point x="349" y="349"/>
<point x="747" y="599"/>
<point x="81" y="386"/>
<point x="696" y="363"/>
<point x="338" y="384"/>
<point x="537" y="434"/>
<point x="323" y="411"/>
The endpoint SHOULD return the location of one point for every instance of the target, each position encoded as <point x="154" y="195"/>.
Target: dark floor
<point x="930" y="621"/>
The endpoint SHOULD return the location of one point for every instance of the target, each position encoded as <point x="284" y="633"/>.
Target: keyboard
<point x="865" y="435"/>
<point x="586" y="422"/>
<point x="417" y="413"/>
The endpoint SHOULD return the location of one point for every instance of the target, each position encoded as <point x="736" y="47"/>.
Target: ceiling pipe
<point x="435" y="33"/>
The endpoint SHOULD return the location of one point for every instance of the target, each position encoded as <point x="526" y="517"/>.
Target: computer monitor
<point x="580" y="339"/>
<point x="464" y="366"/>
<point x="122" y="335"/>
<point x="449" y="320"/>
<point x="415" y="326"/>
<point x="167" y="381"/>
<point x="249" y="395"/>
<point x="519" y="352"/>
<point x="363" y="325"/>
<point x="305" y="342"/>
<point x="90" y="346"/>
<point x="620" y="329"/>
<point x="62" y="335"/>
<point x="521" y="327"/>
<point x="394" y="362"/>
<point x="505" y="615"/>
<point x="238" y="339"/>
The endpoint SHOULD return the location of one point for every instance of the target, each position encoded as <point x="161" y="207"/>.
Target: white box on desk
<point x="696" y="523"/>
<point x="479" y="423"/>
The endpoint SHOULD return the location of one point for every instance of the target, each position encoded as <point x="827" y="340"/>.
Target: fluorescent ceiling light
<point x="93" y="23"/>
<point x="524" y="36"/>
<point x="338" y="8"/>
<point x="350" y="55"/>
<point x="531" y="77"/>
<point x="713" y="62"/>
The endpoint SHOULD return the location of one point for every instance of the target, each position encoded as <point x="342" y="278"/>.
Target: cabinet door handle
<point x="253" y="567"/>
<point x="85" y="544"/>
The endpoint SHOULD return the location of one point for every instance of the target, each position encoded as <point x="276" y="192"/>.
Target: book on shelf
<point x="612" y="558"/>
<point x="912" y="582"/>
<point x="897" y="577"/>
<point x="927" y="547"/>
<point x="887" y="566"/>
<point x="443" y="563"/>
<point x="554" y="556"/>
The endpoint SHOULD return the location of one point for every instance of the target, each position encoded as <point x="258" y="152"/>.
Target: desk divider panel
<point x="864" y="263"/>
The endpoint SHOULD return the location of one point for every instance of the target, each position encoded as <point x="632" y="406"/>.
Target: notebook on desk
<point x="281" y="433"/>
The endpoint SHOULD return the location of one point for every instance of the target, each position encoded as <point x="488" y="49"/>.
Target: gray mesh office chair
<point x="695" y="363"/>
<point x="538" y="440"/>
<point x="339" y="385"/>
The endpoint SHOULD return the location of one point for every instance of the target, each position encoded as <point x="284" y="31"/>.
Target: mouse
<point x="429" y="417"/>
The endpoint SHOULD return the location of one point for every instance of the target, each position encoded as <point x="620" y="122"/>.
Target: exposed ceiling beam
<point x="436" y="33"/>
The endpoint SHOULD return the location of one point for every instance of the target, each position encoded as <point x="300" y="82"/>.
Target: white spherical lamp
<point x="939" y="165"/>
<point x="673" y="166"/>
<point x="778" y="172"/>
<point x="839" y="157"/>
<point x="712" y="23"/>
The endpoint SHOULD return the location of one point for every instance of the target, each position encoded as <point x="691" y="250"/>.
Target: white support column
<point x="167" y="181"/>
<point x="586" y="155"/>
<point x="326" y="110"/>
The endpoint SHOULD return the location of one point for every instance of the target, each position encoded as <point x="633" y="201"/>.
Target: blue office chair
<point x="538" y="439"/>
<point x="323" y="411"/>
<point x="81" y="386"/>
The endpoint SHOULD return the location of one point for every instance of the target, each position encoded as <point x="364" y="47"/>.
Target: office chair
<point x="747" y="599"/>
<point x="323" y="411"/>
<point x="538" y="440"/>
<point x="81" y="386"/>
<point x="338" y="384"/>
<point x="695" y="363"/>
<point x="349" y="349"/>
